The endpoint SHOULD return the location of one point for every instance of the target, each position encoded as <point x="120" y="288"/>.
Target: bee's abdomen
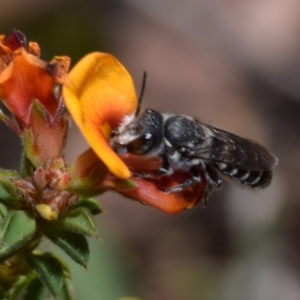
<point x="254" y="179"/>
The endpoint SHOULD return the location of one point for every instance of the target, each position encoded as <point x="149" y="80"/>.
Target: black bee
<point x="183" y="143"/>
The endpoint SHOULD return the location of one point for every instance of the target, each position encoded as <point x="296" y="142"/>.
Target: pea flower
<point x="99" y="93"/>
<point x="27" y="88"/>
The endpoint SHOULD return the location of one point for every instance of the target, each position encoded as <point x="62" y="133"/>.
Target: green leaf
<point x="49" y="270"/>
<point x="15" y="231"/>
<point x="91" y="204"/>
<point x="8" y="192"/>
<point x="36" y="290"/>
<point x="74" y="244"/>
<point x="78" y="220"/>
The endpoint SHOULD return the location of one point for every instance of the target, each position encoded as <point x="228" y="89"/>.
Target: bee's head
<point x="141" y="135"/>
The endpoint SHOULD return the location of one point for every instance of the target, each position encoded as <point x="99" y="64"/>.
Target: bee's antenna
<point x="141" y="94"/>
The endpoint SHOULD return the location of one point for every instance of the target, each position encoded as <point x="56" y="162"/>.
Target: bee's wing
<point x="233" y="150"/>
<point x="240" y="159"/>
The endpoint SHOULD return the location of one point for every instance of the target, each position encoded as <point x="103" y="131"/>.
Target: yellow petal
<point x="98" y="93"/>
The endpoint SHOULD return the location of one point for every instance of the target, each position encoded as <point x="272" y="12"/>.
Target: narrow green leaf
<point x="18" y="287"/>
<point x="35" y="290"/>
<point x="49" y="271"/>
<point x="26" y="166"/>
<point x="3" y="211"/>
<point x="91" y="204"/>
<point x="74" y="244"/>
<point x="8" y="174"/>
<point x="66" y="291"/>
<point x="78" y="220"/>
<point x="15" y="231"/>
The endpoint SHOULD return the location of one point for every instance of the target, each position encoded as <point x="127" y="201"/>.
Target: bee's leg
<point x="165" y="169"/>
<point x="212" y="177"/>
<point x="193" y="180"/>
<point x="212" y="181"/>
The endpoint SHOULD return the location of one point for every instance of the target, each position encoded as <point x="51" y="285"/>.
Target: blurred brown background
<point x="232" y="64"/>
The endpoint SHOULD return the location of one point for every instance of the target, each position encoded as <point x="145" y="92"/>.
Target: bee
<point x="185" y="144"/>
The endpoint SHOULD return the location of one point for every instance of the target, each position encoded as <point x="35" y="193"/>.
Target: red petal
<point x="150" y="192"/>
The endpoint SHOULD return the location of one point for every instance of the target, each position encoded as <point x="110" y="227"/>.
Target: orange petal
<point x="98" y="93"/>
<point x="24" y="79"/>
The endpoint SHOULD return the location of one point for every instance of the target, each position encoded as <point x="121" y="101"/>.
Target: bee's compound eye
<point x="141" y="145"/>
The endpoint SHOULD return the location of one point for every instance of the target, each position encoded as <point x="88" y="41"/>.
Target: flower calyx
<point x="45" y="191"/>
